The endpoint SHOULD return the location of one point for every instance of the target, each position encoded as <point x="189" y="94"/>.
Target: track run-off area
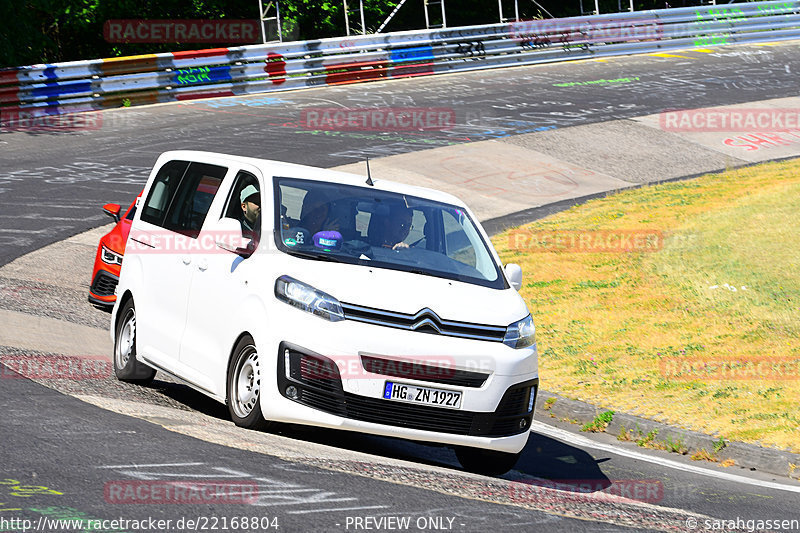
<point x="522" y="138"/>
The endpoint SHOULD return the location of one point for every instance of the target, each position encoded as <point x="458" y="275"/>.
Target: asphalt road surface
<point x="62" y="458"/>
<point x="52" y="184"/>
<point x="65" y="459"/>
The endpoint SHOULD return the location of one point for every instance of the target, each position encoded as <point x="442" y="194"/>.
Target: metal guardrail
<point x="69" y="87"/>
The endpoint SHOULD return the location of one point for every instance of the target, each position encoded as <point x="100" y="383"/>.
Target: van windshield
<point x="361" y="225"/>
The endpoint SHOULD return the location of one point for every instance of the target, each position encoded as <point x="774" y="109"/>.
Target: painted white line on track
<point x="58" y="206"/>
<point x="151" y="465"/>
<point x="306" y="511"/>
<point x="580" y="440"/>
<point x="39" y="216"/>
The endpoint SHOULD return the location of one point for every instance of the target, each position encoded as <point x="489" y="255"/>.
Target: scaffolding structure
<point x="427" y="4"/>
<point x="347" y="17"/>
<point x="266" y="17"/>
<point x="434" y="18"/>
<point x="597" y="7"/>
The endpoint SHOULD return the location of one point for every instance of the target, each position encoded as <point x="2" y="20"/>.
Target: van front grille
<point x="425" y="321"/>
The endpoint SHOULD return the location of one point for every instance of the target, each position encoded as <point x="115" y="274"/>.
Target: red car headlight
<point x="110" y="257"/>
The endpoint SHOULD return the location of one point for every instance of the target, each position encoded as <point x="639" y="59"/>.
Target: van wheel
<point x="486" y="462"/>
<point x="126" y="367"/>
<point x="244" y="386"/>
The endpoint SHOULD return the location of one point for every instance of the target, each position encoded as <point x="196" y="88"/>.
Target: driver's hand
<point x="399" y="245"/>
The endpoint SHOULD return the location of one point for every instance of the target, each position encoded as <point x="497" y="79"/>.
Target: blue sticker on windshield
<point x="328" y="240"/>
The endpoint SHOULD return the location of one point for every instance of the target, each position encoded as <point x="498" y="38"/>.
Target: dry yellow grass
<point x="609" y="324"/>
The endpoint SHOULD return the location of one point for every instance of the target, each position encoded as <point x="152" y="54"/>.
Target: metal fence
<point x="106" y="83"/>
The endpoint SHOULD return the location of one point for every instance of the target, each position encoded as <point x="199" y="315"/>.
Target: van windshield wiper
<point x="422" y="272"/>
<point x="316" y="257"/>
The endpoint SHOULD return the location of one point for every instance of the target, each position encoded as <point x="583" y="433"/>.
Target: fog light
<point x="523" y="423"/>
<point x="291" y="392"/>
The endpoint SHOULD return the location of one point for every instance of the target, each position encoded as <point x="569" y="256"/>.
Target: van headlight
<point x="521" y="334"/>
<point x="307" y="298"/>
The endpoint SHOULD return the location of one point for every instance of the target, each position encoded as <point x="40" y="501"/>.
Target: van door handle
<point x="186" y="259"/>
<point x="202" y="265"/>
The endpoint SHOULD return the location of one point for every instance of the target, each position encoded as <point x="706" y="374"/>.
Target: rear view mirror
<point x="112" y="210"/>
<point x="514" y="275"/>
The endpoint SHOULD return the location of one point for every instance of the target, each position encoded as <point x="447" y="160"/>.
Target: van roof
<point x="292" y="170"/>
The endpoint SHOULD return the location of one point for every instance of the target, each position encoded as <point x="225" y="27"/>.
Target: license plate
<point x="402" y="392"/>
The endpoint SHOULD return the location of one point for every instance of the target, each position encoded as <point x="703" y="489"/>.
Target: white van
<point x="302" y="295"/>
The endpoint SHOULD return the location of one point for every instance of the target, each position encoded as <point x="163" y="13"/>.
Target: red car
<point x="108" y="260"/>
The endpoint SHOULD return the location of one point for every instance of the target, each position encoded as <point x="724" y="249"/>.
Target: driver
<point x="396" y="227"/>
<point x="314" y="213"/>
<point x="251" y="209"/>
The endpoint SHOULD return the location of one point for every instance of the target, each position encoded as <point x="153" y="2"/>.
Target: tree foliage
<point x="47" y="31"/>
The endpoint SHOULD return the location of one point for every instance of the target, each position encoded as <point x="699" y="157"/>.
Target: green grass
<point x="600" y="422"/>
<point x="609" y="324"/>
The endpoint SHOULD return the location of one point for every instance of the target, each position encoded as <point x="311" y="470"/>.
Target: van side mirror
<point x="112" y="210"/>
<point x="514" y="275"/>
<point x="228" y="236"/>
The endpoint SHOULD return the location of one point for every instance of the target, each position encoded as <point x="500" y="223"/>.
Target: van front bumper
<point x="316" y="383"/>
<point x="498" y="394"/>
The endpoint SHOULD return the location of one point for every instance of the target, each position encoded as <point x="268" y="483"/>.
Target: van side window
<point x="251" y="229"/>
<point x="193" y="198"/>
<point x="233" y="209"/>
<point x="162" y="191"/>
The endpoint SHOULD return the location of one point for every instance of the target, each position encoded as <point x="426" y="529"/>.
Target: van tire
<point x="126" y="367"/>
<point x="245" y="381"/>
<point x="486" y="462"/>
